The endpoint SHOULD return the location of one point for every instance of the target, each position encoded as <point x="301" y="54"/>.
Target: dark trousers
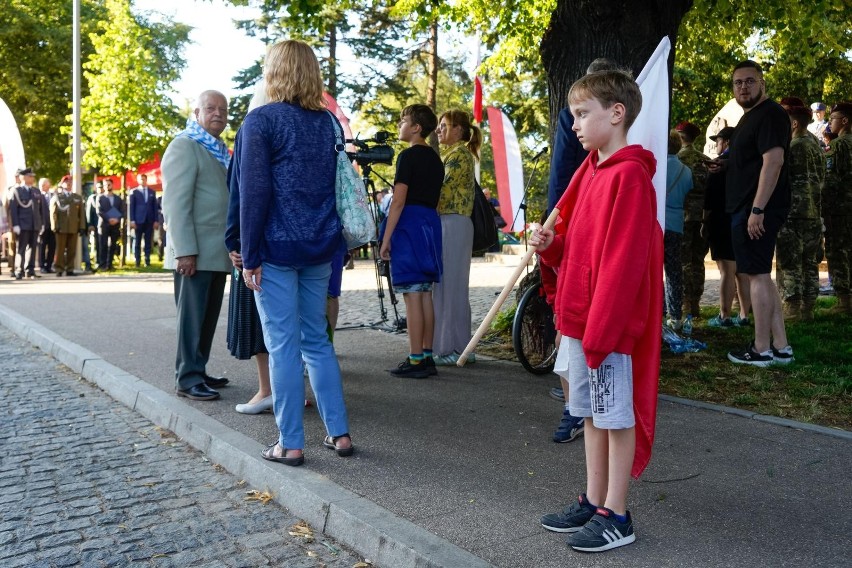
<point x="108" y="239"/>
<point x="47" y="250"/>
<point x="87" y="258"/>
<point x="198" y="300"/>
<point x="146" y="231"/>
<point x="26" y="254"/>
<point x="66" y="252"/>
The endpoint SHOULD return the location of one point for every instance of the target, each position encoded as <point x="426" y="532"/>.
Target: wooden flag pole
<point x="507" y="289"/>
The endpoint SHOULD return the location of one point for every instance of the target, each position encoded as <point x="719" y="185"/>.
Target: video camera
<point x="373" y="150"/>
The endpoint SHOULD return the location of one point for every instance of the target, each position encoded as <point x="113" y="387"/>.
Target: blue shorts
<point x="335" y="283"/>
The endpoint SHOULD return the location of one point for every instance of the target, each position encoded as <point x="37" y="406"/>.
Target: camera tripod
<point x="382" y="268"/>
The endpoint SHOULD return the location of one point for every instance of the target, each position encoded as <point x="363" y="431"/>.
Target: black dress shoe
<point x="70" y="273"/>
<point x="198" y="392"/>
<point x="215" y="382"/>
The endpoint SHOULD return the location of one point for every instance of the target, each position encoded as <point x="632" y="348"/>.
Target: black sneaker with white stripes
<point x="603" y="532"/>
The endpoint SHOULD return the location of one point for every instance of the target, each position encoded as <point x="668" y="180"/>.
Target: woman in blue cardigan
<point x="290" y="233"/>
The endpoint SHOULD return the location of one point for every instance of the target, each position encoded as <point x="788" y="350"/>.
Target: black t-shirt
<point x="764" y="127"/>
<point x="421" y="169"/>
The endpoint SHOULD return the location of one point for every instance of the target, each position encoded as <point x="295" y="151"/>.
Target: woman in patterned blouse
<point x="461" y="140"/>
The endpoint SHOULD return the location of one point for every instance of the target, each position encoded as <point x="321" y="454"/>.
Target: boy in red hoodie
<point x="608" y="248"/>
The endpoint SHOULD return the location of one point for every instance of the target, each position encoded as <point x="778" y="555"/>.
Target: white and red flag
<point x="508" y="168"/>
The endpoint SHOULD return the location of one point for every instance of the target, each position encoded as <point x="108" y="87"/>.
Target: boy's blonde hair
<point x="609" y="87"/>
<point x="293" y="75"/>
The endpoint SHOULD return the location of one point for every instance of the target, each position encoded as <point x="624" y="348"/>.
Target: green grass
<point x="816" y="388"/>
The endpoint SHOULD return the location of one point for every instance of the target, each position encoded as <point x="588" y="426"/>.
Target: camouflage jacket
<point x="693" y="205"/>
<point x="837" y="189"/>
<point x="806" y="167"/>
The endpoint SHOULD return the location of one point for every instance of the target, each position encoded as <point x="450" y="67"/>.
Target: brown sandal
<point x="331" y="444"/>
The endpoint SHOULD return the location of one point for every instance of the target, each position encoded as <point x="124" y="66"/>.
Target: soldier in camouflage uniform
<point x="799" y="251"/>
<point x="837" y="205"/>
<point x="694" y="247"/>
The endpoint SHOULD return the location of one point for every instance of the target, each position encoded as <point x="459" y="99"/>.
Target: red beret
<point x="689" y="129"/>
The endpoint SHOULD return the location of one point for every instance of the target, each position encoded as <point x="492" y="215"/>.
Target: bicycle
<point x="533" y="332"/>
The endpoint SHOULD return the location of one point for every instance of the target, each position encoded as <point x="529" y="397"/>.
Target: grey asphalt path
<point x="87" y="482"/>
<point x="462" y="463"/>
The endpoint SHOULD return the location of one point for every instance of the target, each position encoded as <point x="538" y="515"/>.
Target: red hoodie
<point x="608" y="251"/>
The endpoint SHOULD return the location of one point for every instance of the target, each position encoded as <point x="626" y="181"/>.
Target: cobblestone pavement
<point x="85" y="481"/>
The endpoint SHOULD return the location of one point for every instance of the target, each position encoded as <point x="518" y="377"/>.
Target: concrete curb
<point x="384" y="538"/>
<point x="815" y="428"/>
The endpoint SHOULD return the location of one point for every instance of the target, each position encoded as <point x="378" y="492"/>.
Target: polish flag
<point x="338" y="112"/>
<point x="651" y="131"/>
<point x="508" y="169"/>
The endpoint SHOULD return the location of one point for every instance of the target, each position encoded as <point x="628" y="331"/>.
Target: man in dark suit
<point x="47" y="241"/>
<point x="144" y="217"/>
<point x="27" y="216"/>
<point x="110" y="213"/>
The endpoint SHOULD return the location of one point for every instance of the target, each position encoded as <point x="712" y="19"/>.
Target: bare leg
<point x="415" y="318"/>
<point x="597" y="469"/>
<point x="743" y="294"/>
<point x="727" y="286"/>
<point x="766" y="306"/>
<point x="622" y="447"/>
<point x="332" y="310"/>
<point x="428" y="319"/>
<point x="263" y="388"/>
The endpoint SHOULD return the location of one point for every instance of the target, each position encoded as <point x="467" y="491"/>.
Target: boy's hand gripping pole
<point x="507" y="289"/>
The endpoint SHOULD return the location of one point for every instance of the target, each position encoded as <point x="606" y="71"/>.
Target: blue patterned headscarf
<point x="215" y="146"/>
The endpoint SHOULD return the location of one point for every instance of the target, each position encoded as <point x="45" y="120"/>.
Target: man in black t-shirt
<point x="758" y="199"/>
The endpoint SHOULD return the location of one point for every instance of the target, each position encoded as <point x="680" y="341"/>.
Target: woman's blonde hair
<point x="293" y="75"/>
<point x="470" y="133"/>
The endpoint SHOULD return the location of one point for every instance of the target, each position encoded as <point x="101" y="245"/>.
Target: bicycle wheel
<point x="533" y="334"/>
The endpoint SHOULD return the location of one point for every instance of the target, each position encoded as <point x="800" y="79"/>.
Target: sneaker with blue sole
<point x="572" y="518"/>
<point x="570" y="428"/>
<point x="603" y="532"/>
<point x="719" y="321"/>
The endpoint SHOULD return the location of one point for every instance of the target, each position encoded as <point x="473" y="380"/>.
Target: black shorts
<point x="754" y="256"/>
<point x="719" y="236"/>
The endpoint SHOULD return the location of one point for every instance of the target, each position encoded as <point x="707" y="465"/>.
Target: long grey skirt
<point x="450" y="296"/>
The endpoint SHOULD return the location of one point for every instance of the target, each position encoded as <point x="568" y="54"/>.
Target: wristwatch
<point x="757" y="210"/>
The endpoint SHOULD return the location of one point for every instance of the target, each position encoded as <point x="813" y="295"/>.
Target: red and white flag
<point x="651" y="128"/>
<point x="508" y="168"/>
<point x="477" y="87"/>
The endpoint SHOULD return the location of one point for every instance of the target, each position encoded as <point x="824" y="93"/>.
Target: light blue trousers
<point x="291" y="304"/>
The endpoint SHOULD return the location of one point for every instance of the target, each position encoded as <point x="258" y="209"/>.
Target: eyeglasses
<point x="750" y="82"/>
<point x="835" y="117"/>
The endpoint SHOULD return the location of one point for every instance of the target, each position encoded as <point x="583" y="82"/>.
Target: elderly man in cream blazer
<point x="195" y="207"/>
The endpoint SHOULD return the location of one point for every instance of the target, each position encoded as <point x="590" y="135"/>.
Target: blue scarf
<point x="216" y="147"/>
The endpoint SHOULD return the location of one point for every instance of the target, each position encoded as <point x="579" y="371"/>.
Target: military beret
<point x="689" y="129"/>
<point x="792" y="102"/>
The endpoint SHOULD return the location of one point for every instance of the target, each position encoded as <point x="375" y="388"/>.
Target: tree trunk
<point x="432" y="83"/>
<point x="332" y="61"/>
<point x="626" y="31"/>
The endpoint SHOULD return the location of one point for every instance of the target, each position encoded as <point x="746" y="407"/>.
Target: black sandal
<point x="269" y="454"/>
<point x="331" y="444"/>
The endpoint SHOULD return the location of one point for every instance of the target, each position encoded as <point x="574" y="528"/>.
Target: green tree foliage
<point x="802" y="46"/>
<point x="127" y="118"/>
<point x="35" y="74"/>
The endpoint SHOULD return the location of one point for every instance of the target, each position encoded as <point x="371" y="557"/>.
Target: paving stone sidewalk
<point x="85" y="481"/>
